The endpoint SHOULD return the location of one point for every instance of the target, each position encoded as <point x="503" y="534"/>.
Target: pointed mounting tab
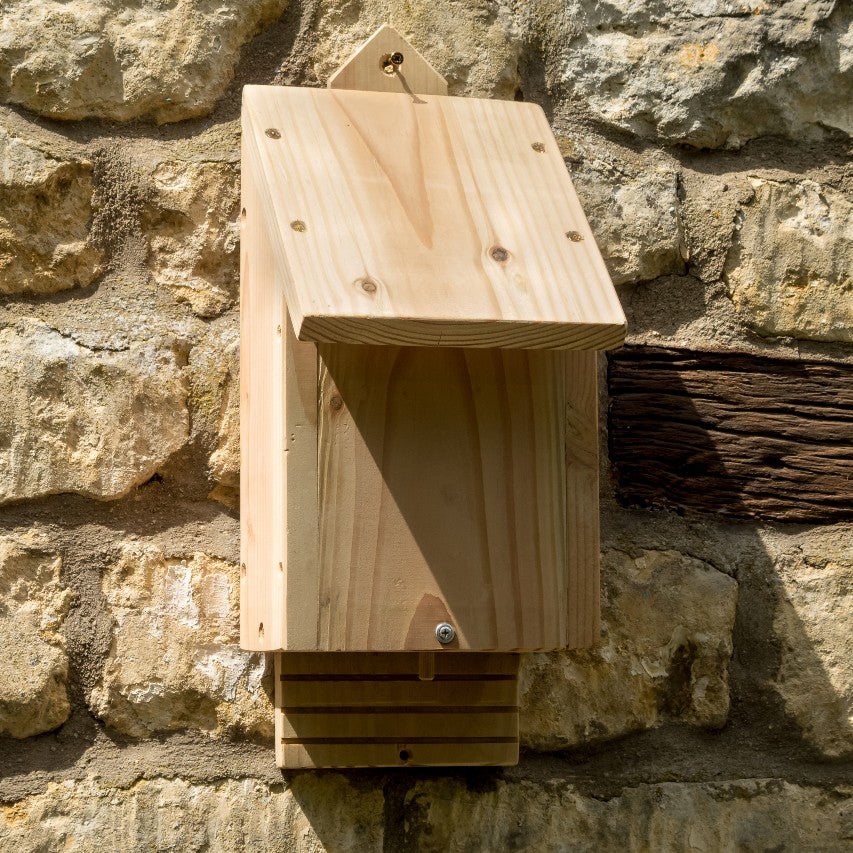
<point x="386" y="62"/>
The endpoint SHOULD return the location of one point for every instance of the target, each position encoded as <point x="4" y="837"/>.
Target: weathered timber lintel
<point x="732" y="433"/>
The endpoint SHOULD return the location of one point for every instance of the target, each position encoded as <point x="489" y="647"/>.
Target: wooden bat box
<point x="421" y="302"/>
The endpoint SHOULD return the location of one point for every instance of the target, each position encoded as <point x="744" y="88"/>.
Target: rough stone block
<point x="120" y="61"/>
<point x="175" y="661"/>
<point x="73" y="419"/>
<point x="193" y="233"/>
<point x="812" y="623"/>
<point x="45" y="219"/>
<point x="214" y="371"/>
<point x="33" y="660"/>
<point x="635" y="216"/>
<point x="790" y="266"/>
<point x="709" y="75"/>
<point x="328" y="812"/>
<point x="666" y="640"/>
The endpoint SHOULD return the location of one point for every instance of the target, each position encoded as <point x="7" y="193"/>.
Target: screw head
<point x="445" y="633"/>
<point x="499" y="254"/>
<point x="272" y="133"/>
<point x="396" y="58"/>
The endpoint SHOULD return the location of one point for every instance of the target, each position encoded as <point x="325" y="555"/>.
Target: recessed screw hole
<point x="538" y="146"/>
<point x="336" y="402"/>
<point x="272" y="133"/>
<point x="405" y="755"/>
<point x="368" y="286"/>
<point x="391" y="62"/>
<point x="243" y="213"/>
<point x="574" y="236"/>
<point x="261" y="629"/>
<point x="298" y="225"/>
<point x="499" y="254"/>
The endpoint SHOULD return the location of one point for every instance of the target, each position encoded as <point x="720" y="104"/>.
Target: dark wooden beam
<point x="732" y="433"/>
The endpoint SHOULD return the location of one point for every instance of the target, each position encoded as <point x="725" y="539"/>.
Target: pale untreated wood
<point x="354" y="710"/>
<point x="732" y="433"/>
<point x="426" y="220"/>
<point x="364" y="69"/>
<point x="442" y="498"/>
<point x="278" y="438"/>
<point x="389" y="488"/>
<point x="262" y="471"/>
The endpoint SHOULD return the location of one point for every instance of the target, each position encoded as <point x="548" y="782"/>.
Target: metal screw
<point x="574" y="236"/>
<point x="298" y="225"/>
<point x="272" y="133"/>
<point x="499" y="254"/>
<point x="391" y="62"/>
<point x="538" y="146"/>
<point x="445" y="633"/>
<point x="368" y="286"/>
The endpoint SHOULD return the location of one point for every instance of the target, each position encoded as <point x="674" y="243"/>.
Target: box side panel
<point x="262" y="320"/>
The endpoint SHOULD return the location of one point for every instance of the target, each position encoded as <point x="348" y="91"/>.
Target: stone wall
<point x="709" y="141"/>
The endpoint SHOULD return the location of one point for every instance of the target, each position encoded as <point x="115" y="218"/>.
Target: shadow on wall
<point x="692" y="433"/>
<point x="767" y="439"/>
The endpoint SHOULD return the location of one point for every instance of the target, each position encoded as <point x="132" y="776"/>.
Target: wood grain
<point x="278" y="441"/>
<point x="262" y="473"/>
<point x="387" y="488"/>
<point x="442" y="498"/>
<point x="732" y="433"/>
<point x="363" y="70"/>
<point x="356" y="710"/>
<point x="426" y="220"/>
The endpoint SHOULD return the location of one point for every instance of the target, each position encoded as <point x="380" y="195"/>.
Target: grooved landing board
<point x="396" y="709"/>
<point x="425" y="220"/>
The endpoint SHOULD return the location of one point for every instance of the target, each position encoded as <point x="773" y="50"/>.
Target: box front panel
<point x="442" y="485"/>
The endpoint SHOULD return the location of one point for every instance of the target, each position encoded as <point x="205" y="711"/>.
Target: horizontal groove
<point x="400" y="709"/>
<point x="380" y="676"/>
<point x="343" y="741"/>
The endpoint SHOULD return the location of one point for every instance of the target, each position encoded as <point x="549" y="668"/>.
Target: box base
<point x="390" y="709"/>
